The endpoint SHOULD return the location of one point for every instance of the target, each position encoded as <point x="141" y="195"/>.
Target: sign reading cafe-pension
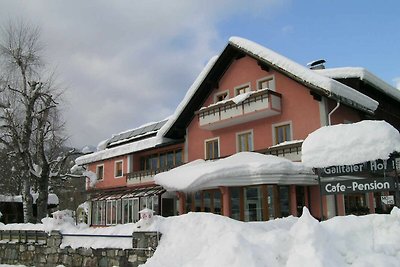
<point x="375" y="166"/>
<point x="358" y="186"/>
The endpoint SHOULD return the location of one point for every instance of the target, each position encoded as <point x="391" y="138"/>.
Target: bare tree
<point x="30" y="124"/>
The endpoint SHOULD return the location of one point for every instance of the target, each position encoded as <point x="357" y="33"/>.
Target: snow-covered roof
<point x="122" y="150"/>
<point x="52" y="199"/>
<point x="150" y="128"/>
<point x="364" y="75"/>
<point x="243" y="168"/>
<point x="320" y="82"/>
<point x="346" y="144"/>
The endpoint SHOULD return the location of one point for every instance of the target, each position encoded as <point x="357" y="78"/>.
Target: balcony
<point x="256" y="105"/>
<point x="146" y="176"/>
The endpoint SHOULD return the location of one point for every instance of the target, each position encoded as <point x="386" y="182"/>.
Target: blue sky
<point x="345" y="33"/>
<point x="126" y="63"/>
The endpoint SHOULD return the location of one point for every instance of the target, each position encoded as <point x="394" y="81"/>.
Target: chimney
<point x="317" y="64"/>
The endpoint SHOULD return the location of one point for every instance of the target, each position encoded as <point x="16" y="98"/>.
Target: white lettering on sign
<point x="375" y="166"/>
<point x="370" y="186"/>
<point x="335" y="188"/>
<point x="358" y="185"/>
<point x="343" y="169"/>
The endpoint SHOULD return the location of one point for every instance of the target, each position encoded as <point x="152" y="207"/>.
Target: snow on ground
<point x="204" y="239"/>
<point x="346" y="144"/>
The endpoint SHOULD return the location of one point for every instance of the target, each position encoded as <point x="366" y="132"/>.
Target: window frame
<point x="275" y="128"/>
<point x="144" y="159"/>
<point x="270" y="78"/>
<point x="216" y="95"/>
<point x="115" y="168"/>
<point x="238" y="142"/>
<point x="97" y="172"/>
<point x="238" y="88"/>
<point x="216" y="139"/>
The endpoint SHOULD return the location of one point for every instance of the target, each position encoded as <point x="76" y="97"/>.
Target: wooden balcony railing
<point x="260" y="104"/>
<point x="138" y="177"/>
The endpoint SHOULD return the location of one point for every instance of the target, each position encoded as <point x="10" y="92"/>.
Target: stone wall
<point x="38" y="251"/>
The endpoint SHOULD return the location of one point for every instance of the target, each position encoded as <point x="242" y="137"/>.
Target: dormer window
<point x="242" y="89"/>
<point x="221" y="96"/>
<point x="266" y="83"/>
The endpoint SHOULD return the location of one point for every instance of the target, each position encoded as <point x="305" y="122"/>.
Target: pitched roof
<point x="321" y="83"/>
<point x="140" y="132"/>
<point x="363" y="75"/>
<point x="238" y="47"/>
<point x="138" y="139"/>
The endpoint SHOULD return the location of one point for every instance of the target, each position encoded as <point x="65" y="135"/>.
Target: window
<point x="118" y="169"/>
<point x="282" y="133"/>
<point x="130" y="210"/>
<point x="253" y="204"/>
<point x="100" y="172"/>
<point x="98" y="211"/>
<point x="205" y="201"/>
<point x="150" y="202"/>
<point x="164" y="160"/>
<point x="245" y="141"/>
<point x="220" y="96"/>
<point x="266" y="83"/>
<point x="242" y="89"/>
<point x="212" y="149"/>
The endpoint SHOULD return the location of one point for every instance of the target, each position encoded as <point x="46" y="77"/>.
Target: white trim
<point x="97" y="172"/>
<point x="267" y="78"/>
<point x="251" y="131"/>
<point x="235" y="89"/>
<point x="115" y="168"/>
<point x="129" y="163"/>
<point x="212" y="139"/>
<point x="216" y="95"/>
<point x="275" y="125"/>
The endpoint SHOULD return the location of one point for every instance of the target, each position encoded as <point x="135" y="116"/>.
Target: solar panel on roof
<point x="136" y="132"/>
<point x="148" y="128"/>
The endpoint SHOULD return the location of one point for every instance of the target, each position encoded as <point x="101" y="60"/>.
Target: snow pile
<point x="238" y="168"/>
<point x="346" y="144"/>
<point x="204" y="239"/>
<point x="201" y="239"/>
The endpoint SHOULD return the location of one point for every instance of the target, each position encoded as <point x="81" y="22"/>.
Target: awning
<point x="123" y="193"/>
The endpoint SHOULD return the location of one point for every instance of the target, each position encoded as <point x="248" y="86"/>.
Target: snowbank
<point x="346" y="144"/>
<point x="204" y="239"/>
<point x="201" y="239"/>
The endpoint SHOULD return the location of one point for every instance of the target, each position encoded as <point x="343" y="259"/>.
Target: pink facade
<point x="298" y="108"/>
<point x="244" y="103"/>
<point x="110" y="179"/>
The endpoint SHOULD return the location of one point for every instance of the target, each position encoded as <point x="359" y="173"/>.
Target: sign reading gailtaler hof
<point x="358" y="186"/>
<point x="375" y="166"/>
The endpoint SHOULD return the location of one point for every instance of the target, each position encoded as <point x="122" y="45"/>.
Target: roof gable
<point x="238" y="47"/>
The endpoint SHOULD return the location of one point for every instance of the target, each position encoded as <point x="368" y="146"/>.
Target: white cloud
<point x="126" y="62"/>
<point x="397" y="82"/>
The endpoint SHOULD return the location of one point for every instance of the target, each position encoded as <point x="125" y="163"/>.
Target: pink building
<point x="249" y="98"/>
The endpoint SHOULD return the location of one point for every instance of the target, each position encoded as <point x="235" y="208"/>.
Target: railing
<point x="290" y="151"/>
<point x="138" y="177"/>
<point x="260" y="104"/>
